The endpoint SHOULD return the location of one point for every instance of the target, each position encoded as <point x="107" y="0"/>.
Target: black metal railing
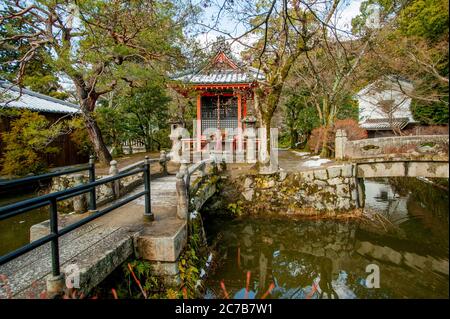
<point x="52" y="200"/>
<point x="90" y="167"/>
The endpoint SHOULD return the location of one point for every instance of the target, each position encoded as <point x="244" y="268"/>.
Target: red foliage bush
<point x="427" y="130"/>
<point x="354" y="132"/>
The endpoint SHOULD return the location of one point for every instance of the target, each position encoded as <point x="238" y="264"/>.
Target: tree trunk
<point x="325" y="151"/>
<point x="96" y="138"/>
<point x="294" y="138"/>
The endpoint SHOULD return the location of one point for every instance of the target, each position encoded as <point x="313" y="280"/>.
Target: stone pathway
<point x="98" y="247"/>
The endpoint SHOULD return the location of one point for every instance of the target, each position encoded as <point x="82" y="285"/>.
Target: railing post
<point x="339" y="144"/>
<point x="114" y="170"/>
<point x="203" y="170"/>
<point x="163" y="162"/>
<point x="55" y="283"/>
<point x="79" y="202"/>
<point x="148" y="215"/>
<point x="182" y="196"/>
<point x="92" y="199"/>
<point x="186" y="176"/>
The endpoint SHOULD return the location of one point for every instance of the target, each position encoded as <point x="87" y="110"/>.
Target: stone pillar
<point x="163" y="162"/>
<point x="115" y="186"/>
<point x="55" y="285"/>
<point x="182" y="196"/>
<point x="79" y="202"/>
<point x="203" y="170"/>
<point x="361" y="192"/>
<point x="340" y="141"/>
<point x="250" y="134"/>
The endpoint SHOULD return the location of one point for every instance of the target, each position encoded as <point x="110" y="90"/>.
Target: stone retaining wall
<point x="331" y="189"/>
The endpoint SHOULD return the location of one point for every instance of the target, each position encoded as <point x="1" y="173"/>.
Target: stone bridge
<point x="100" y="246"/>
<point x="434" y="147"/>
<point x="402" y="167"/>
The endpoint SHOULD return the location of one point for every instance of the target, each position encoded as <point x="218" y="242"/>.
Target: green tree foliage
<point x="301" y="118"/>
<point x="301" y="115"/>
<point x="103" y="45"/>
<point x="137" y="114"/>
<point x="38" y="73"/>
<point x="412" y="44"/>
<point x="424" y="18"/>
<point x="27" y="143"/>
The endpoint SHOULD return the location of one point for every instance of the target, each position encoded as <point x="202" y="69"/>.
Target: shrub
<point x="354" y="132"/>
<point x="27" y="144"/>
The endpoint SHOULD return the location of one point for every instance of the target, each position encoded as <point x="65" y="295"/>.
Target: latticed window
<point x="219" y="112"/>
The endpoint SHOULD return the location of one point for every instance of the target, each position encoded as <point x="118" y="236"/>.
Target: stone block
<point x="248" y="194"/>
<point x="343" y="190"/>
<point x="162" y="241"/>
<point x="335" y="181"/>
<point x="334" y="171"/>
<point x="347" y="171"/>
<point x="321" y="174"/>
<point x="282" y="176"/>
<point x="248" y="182"/>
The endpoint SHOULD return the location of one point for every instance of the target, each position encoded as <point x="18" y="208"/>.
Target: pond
<point x="15" y="231"/>
<point x="404" y="239"/>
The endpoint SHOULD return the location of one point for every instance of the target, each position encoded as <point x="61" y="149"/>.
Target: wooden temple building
<point x="224" y="93"/>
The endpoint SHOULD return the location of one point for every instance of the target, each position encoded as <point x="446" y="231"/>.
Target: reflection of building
<point x="11" y="97"/>
<point x="384" y="106"/>
<point x="224" y="89"/>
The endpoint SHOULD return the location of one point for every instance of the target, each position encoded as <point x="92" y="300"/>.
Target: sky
<point x="347" y="10"/>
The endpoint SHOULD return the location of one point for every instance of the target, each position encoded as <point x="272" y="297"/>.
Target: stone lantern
<point x="176" y="134"/>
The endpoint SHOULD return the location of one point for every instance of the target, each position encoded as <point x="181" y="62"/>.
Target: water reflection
<point x="328" y="259"/>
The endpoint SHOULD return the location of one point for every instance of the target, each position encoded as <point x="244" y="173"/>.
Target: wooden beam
<point x="199" y="122"/>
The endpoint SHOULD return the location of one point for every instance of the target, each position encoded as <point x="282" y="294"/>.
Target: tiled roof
<point x="385" y="124"/>
<point x="222" y="69"/>
<point x="222" y="76"/>
<point x="384" y="106"/>
<point x="12" y="98"/>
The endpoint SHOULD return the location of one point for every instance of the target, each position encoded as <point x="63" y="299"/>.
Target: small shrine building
<point x="224" y="92"/>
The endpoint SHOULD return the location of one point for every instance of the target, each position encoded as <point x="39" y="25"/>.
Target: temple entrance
<point x="219" y="112"/>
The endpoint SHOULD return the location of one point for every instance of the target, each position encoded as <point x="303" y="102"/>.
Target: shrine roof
<point x="222" y="69"/>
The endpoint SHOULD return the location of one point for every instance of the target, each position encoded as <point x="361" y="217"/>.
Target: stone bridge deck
<point x="98" y="247"/>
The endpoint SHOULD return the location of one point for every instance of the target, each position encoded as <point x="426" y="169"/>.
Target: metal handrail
<point x="29" y="179"/>
<point x="90" y="167"/>
<point x="52" y="200"/>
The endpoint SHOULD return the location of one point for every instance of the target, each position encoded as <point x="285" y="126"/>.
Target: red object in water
<point x="313" y="290"/>
<point x="246" y="285"/>
<point x="222" y="285"/>
<point x="272" y="285"/>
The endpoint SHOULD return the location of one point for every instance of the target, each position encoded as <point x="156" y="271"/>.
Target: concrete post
<point x="115" y="186"/>
<point x="186" y="176"/>
<point x="203" y="170"/>
<point x="182" y="196"/>
<point x="251" y="144"/>
<point x="79" y="202"/>
<point x="163" y="162"/>
<point x="340" y="141"/>
<point x="55" y="285"/>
